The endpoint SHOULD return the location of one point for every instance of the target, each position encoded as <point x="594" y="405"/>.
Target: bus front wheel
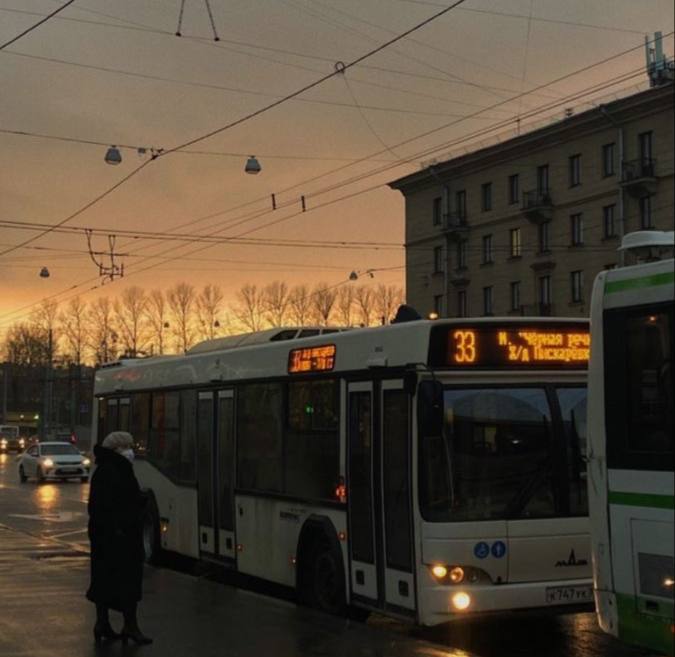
<point x="323" y="581"/>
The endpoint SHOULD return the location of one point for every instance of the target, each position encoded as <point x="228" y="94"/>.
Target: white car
<point x="53" y="460"/>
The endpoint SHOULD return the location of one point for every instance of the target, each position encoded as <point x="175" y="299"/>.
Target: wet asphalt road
<point x="51" y="519"/>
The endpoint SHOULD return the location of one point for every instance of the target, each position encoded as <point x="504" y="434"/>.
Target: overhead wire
<point x="36" y="25"/>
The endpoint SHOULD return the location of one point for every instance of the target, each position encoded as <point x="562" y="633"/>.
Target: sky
<point x="116" y="74"/>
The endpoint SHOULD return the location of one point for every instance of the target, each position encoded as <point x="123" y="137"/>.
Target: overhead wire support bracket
<point x="106" y="272"/>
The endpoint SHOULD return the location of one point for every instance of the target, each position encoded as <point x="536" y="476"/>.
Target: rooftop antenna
<point x="659" y="68"/>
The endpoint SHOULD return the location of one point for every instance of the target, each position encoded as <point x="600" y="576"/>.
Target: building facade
<point x="524" y="226"/>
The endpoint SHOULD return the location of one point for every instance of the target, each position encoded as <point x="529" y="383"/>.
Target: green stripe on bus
<point x="645" y="630"/>
<point x="637" y="283"/>
<point x="642" y="499"/>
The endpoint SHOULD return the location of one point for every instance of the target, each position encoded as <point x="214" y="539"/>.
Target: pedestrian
<point x="116" y="537"/>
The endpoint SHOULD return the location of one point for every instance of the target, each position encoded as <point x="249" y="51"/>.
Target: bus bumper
<point x="442" y="603"/>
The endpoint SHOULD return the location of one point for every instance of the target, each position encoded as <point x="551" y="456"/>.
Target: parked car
<point x="10" y="440"/>
<point x="53" y="460"/>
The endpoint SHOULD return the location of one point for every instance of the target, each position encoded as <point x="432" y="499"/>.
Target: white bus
<point x="631" y="440"/>
<point x="424" y="470"/>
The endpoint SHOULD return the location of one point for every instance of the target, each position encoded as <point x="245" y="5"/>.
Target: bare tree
<point x="300" y="305"/>
<point x="102" y="336"/>
<point x="345" y="305"/>
<point x="24" y="344"/>
<point x="250" y="307"/>
<point x="276" y="299"/>
<point x="363" y="296"/>
<point x="209" y="306"/>
<point x="387" y="299"/>
<point x="323" y="300"/>
<point x="181" y="298"/>
<point x="130" y="319"/>
<point x="44" y="321"/>
<point x="157" y="315"/>
<point x="74" y="328"/>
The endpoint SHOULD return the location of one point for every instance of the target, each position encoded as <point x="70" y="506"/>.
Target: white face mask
<point x="127" y="453"/>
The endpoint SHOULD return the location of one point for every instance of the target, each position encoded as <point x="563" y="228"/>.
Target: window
<point x="608" y="227"/>
<point x="544" y="292"/>
<point x="646" y="212"/>
<point x="436" y="211"/>
<point x="544" y="237"/>
<point x="577" y="285"/>
<point x="188" y="423"/>
<point x="462" y="305"/>
<point x="461" y="254"/>
<point x="573" y="410"/>
<point x="360" y="476"/>
<point x="487" y="249"/>
<point x="542" y="179"/>
<point x="460" y="203"/>
<point x="259" y="436"/>
<point x="608" y="168"/>
<point x="487" y="300"/>
<point x="395" y="423"/>
<point x="516" y="248"/>
<point x="645" y="146"/>
<point x="312" y="447"/>
<point x="486" y="197"/>
<point x="575" y="170"/>
<point x="438" y="260"/>
<point x="140" y="422"/>
<point x="577" y="229"/>
<point x="501" y="464"/>
<point x="164" y="443"/>
<point x="438" y="304"/>
<point x="638" y="358"/>
<point x="515" y="295"/>
<point x="514" y="192"/>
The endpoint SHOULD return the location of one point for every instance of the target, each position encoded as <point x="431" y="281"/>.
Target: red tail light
<point x="341" y="491"/>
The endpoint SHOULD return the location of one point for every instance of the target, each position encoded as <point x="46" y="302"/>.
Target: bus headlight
<point x="439" y="572"/>
<point x="461" y="601"/>
<point x="457" y="575"/>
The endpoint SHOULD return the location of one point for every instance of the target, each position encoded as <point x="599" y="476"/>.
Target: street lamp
<point x="252" y="165"/>
<point x="113" y="156"/>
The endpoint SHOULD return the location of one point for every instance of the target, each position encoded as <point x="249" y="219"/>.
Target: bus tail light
<point x="341" y="491"/>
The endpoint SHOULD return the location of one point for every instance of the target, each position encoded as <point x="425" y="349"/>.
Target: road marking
<point x="64" y="516"/>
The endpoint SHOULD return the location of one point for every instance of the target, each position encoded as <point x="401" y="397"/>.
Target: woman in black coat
<point x="116" y="536"/>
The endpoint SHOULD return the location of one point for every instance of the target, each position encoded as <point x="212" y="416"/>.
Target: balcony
<point x="638" y="177"/>
<point x="455" y="226"/>
<point x="537" y="205"/>
<point x="459" y="277"/>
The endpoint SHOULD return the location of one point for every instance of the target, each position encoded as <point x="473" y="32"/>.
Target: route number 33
<point x="465" y="346"/>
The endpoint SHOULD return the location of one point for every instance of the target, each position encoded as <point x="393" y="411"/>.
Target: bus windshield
<point x="501" y="457"/>
<point x="9" y="432"/>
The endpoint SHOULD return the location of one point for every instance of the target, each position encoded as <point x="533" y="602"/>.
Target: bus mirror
<point x="430" y="408"/>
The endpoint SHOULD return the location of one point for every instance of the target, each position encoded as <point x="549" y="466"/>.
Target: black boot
<point x="103" y="631"/>
<point x="131" y="631"/>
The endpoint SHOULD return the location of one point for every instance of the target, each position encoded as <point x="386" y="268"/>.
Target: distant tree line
<point x="139" y="322"/>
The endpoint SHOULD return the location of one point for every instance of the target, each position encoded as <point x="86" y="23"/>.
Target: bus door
<point x="215" y="457"/>
<point x="381" y="572"/>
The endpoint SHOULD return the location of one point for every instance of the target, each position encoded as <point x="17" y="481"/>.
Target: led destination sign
<point x="511" y="346"/>
<point x="312" y="359"/>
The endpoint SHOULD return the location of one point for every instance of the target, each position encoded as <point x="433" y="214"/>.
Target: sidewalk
<point x="43" y="613"/>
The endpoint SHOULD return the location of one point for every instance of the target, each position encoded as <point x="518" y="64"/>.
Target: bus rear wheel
<point x="323" y="581"/>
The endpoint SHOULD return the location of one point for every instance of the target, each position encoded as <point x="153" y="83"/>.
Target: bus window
<point x="259" y="437"/>
<point x="164" y="446"/>
<point x="639" y="388"/>
<point x="188" y="421"/>
<point x="573" y="409"/>
<point x="499" y="456"/>
<point x="140" y="422"/>
<point x="312" y="447"/>
<point x="123" y="414"/>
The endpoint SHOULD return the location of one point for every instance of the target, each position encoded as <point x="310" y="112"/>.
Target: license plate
<point x="567" y="594"/>
<point x="68" y="470"/>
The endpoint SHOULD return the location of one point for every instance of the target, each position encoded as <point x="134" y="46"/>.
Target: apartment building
<point x="524" y="226"/>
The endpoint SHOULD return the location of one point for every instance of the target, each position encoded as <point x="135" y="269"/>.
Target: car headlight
<point x="48" y="463"/>
<point x="3" y="443"/>
<point x="86" y="462"/>
<point x="22" y="442"/>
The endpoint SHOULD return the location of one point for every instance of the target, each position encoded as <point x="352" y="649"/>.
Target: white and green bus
<point x="426" y="470"/>
<point x="631" y="440"/>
